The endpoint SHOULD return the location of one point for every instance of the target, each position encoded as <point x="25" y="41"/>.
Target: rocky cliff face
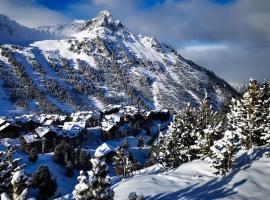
<point x="99" y="62"/>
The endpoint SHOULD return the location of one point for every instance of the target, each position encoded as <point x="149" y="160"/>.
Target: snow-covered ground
<point x="195" y="180"/>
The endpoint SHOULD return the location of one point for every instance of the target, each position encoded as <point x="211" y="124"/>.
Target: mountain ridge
<point x="100" y="62"/>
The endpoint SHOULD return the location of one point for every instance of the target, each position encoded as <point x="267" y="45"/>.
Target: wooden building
<point x="10" y="130"/>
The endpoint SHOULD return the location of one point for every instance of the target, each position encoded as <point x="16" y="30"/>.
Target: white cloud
<point x="238" y="32"/>
<point x="30" y="13"/>
<point x="199" y="48"/>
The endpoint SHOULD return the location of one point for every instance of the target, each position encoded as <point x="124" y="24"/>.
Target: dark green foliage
<point x="44" y="181"/>
<point x="69" y="169"/>
<point x="63" y="153"/>
<point x="84" y="160"/>
<point x="134" y="196"/>
<point x="33" y="155"/>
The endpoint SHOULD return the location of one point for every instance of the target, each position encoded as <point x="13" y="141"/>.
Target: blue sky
<point x="229" y="37"/>
<point x="62" y="5"/>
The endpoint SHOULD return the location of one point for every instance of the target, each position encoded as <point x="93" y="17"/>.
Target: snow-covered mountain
<point x="63" y="30"/>
<point x="99" y="62"/>
<point x="14" y="33"/>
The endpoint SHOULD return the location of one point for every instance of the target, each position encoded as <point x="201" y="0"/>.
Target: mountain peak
<point x="105" y="13"/>
<point x="104" y="20"/>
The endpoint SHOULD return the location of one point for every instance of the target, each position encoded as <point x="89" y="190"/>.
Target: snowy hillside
<point x="13" y="33"/>
<point x="99" y="62"/>
<point x="195" y="180"/>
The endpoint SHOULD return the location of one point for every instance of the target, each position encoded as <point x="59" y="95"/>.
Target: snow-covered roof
<point x="157" y="111"/>
<point x="84" y="115"/>
<point x="62" y="117"/>
<point x="23" y="118"/>
<point x="48" y="122"/>
<point x="56" y="129"/>
<point x="110" y="121"/>
<point x="4" y="126"/>
<point x="38" y="119"/>
<point x="42" y="131"/>
<point x="111" y="107"/>
<point x="129" y="110"/>
<point x="73" y="128"/>
<point x="103" y="150"/>
<point x="31" y="138"/>
<point x="2" y="120"/>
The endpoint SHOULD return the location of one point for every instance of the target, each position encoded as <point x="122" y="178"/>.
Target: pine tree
<point x="84" y="160"/>
<point x="44" y="181"/>
<point x="33" y="155"/>
<point x="100" y="181"/>
<point x="119" y="161"/>
<point x="181" y="138"/>
<point x="63" y="153"/>
<point x="246" y="117"/>
<point x="69" y="169"/>
<point x="8" y="166"/>
<point x="223" y="152"/>
<point x="128" y="166"/>
<point x="265" y="107"/>
<point x="77" y="158"/>
<point x="134" y="196"/>
<point x="206" y="128"/>
<point x="162" y="154"/>
<point x="82" y="189"/>
<point x="20" y="184"/>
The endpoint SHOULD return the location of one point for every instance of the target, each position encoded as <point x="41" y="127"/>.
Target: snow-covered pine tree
<point x="8" y="166"/>
<point x="100" y="181"/>
<point x="82" y="189"/>
<point x="223" y="152"/>
<point x="129" y="167"/>
<point x="20" y="183"/>
<point x="162" y="156"/>
<point x="206" y="129"/>
<point x="245" y="116"/>
<point x="181" y="139"/>
<point x="119" y="161"/>
<point x="265" y="106"/>
<point x="254" y="110"/>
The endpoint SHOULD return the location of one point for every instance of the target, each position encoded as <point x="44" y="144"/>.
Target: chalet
<point x="74" y="132"/>
<point x="161" y="115"/>
<point x="10" y="130"/>
<point x="49" y="136"/>
<point x="30" y="141"/>
<point x="110" y="126"/>
<point x="62" y="119"/>
<point x="110" y="109"/>
<point x="27" y="122"/>
<point x="91" y="118"/>
<point x="39" y="119"/>
<point x="105" y="151"/>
